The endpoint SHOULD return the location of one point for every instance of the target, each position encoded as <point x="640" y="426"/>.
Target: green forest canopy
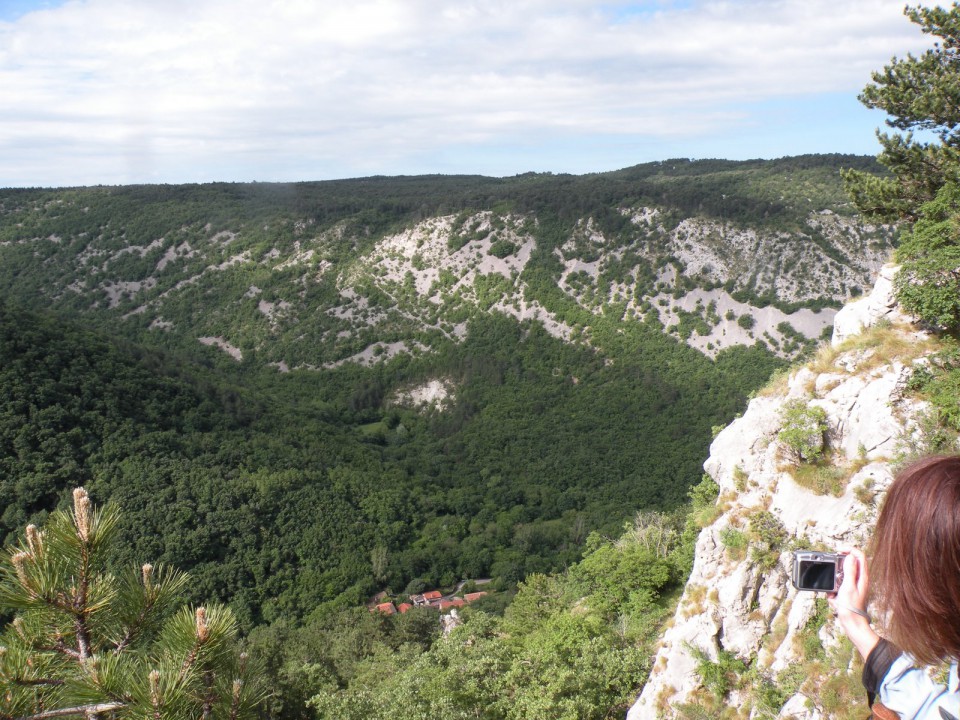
<point x="278" y="491"/>
<point x="273" y="490"/>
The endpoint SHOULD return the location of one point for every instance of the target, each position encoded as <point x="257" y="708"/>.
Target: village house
<point x="431" y="599"/>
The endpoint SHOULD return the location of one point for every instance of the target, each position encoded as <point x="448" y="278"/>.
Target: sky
<point x="181" y="91"/>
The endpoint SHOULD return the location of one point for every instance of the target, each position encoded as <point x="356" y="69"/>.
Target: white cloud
<point x="134" y="90"/>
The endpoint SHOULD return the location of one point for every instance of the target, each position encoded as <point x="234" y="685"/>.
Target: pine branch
<point x="78" y="710"/>
<point x="81" y="514"/>
<point x="58" y="582"/>
<point x="155" y="701"/>
<point x="138" y="624"/>
<point x="131" y="635"/>
<point x="235" y="700"/>
<point x="60" y="647"/>
<point x="83" y="637"/>
<point x="202" y="635"/>
<point x="210" y="696"/>
<point x="188" y="662"/>
<point x="152" y="591"/>
<point x="36" y="683"/>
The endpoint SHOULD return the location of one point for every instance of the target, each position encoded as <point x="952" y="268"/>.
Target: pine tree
<point x="87" y="643"/>
<point x="918" y="94"/>
<point x="921" y="94"/>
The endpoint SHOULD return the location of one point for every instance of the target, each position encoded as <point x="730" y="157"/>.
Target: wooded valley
<point x="237" y="367"/>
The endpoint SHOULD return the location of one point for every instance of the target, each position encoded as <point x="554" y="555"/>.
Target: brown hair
<point x="915" y="571"/>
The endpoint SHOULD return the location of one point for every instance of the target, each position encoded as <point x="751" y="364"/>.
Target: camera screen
<point x="816" y="575"/>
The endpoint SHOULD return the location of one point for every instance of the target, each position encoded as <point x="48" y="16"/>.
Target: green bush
<point x="803" y="430"/>
<point x="502" y="248"/>
<point x="735" y="541"/>
<point x="721" y="676"/>
<point x="928" y="285"/>
<point x="769" y="534"/>
<point x="822" y="477"/>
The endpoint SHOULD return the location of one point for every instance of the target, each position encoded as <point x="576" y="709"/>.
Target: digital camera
<point x="817" y="571"/>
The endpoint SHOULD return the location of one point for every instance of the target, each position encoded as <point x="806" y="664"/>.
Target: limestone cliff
<point x="739" y="615"/>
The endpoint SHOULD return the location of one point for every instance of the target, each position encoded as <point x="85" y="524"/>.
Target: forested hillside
<point x="416" y="369"/>
<point x="274" y="490"/>
<point x="306" y="394"/>
<point x="467" y="373"/>
<point x="313" y="274"/>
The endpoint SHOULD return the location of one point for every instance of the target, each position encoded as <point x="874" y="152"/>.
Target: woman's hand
<point x="850" y="602"/>
<point x="855" y="583"/>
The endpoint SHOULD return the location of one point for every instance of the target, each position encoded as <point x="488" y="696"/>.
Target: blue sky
<point x="129" y="91"/>
<point x="11" y="10"/>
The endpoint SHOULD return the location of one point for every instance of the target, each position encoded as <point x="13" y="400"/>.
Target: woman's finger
<point x="862" y="576"/>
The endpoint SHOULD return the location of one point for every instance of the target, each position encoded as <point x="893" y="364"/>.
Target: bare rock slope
<point x="774" y="648"/>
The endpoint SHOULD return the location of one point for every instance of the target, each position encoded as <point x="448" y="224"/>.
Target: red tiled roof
<point x="432" y="595"/>
<point x="470" y="597"/>
<point x="387" y="608"/>
<point x="403" y="607"/>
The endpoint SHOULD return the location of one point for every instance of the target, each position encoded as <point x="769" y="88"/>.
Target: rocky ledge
<point x="739" y="609"/>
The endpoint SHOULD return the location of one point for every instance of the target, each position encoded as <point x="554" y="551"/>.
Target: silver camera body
<point x="817" y="571"/>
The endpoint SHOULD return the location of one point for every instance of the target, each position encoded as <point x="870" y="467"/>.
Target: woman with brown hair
<point x="916" y="587"/>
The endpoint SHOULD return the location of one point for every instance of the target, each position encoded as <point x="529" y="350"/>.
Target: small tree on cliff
<point x="802" y="431"/>
<point x="87" y="643"/>
<point x="921" y="94"/>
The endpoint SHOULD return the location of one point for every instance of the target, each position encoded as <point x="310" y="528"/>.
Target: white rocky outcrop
<point x="735" y="602"/>
<point x="879" y="305"/>
<point x="435" y="393"/>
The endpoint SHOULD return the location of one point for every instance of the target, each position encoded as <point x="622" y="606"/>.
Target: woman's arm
<point x="887" y="673"/>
